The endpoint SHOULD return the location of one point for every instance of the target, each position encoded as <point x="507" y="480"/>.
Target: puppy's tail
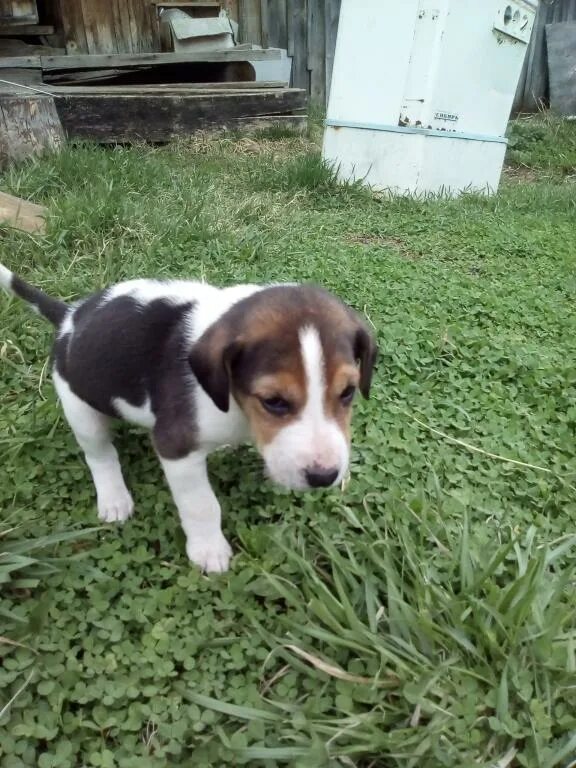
<point x="52" y="309"/>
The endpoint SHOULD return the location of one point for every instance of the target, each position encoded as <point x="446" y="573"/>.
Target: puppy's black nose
<point x="319" y="477"/>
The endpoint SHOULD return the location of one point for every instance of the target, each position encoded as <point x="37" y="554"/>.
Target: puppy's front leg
<point x="199" y="511"/>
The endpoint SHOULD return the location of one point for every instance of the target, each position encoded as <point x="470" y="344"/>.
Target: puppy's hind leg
<point x="91" y="429"/>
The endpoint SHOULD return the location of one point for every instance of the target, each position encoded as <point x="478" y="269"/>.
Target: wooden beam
<point x="26" y="30"/>
<point x="26" y="62"/>
<point x="21" y="214"/>
<point x="163" y="117"/>
<point x="121" y="60"/>
<point x="160" y="88"/>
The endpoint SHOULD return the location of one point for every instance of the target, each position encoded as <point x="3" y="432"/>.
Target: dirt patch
<point x="521" y="174"/>
<point x="383" y="241"/>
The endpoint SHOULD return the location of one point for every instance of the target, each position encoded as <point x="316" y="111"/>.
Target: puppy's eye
<point x="347" y="395"/>
<point x="277" y="406"/>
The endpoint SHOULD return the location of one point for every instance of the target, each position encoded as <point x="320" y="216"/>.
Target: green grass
<point x="423" y="617"/>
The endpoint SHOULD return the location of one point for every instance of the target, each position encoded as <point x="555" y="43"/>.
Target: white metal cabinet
<point x="422" y="91"/>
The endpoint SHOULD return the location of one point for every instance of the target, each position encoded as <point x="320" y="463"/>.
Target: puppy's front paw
<point x="211" y="554"/>
<point x="115" y="508"/>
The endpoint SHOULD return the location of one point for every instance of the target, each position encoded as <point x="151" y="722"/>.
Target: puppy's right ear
<point x="211" y="361"/>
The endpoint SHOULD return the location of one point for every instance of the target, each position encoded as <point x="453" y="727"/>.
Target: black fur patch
<point x="122" y="348"/>
<point x="52" y="309"/>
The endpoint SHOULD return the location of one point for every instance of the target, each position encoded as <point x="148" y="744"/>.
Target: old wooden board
<point x="109" y="26"/>
<point x="297" y="21"/>
<point x="181" y="88"/>
<point x="26" y="30"/>
<point x="117" y="61"/>
<point x="561" y="42"/>
<point x="22" y="62"/>
<point x="316" y="37"/>
<point x="124" y="118"/>
<point x="18" y="12"/>
<point x="21" y="214"/>
<point x="332" y="18"/>
<point x="250" y="29"/>
<point x="12" y="79"/>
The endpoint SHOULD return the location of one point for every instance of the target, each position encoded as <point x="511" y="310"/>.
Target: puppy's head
<point x="293" y="358"/>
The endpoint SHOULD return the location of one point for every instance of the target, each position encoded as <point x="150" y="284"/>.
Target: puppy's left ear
<point x="366" y="353"/>
<point x="211" y="361"/>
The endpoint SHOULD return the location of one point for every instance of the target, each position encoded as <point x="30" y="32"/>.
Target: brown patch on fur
<point x="289" y="385"/>
<point x="339" y="375"/>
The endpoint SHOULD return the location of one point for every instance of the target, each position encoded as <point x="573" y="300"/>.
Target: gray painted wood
<point x="561" y="45"/>
<point x="99" y="61"/>
<point x="249" y="29"/>
<point x="300" y="74"/>
<point x="316" y="23"/>
<point x="533" y="86"/>
<point x="332" y="16"/>
<point x="305" y="28"/>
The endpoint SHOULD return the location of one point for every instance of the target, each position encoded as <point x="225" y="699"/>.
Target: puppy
<point x="202" y="367"/>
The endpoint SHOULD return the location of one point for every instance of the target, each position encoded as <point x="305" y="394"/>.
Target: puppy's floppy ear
<point x="366" y="352"/>
<point x="211" y="361"/>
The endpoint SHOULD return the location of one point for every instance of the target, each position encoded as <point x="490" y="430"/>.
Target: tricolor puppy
<point x="203" y="367"/>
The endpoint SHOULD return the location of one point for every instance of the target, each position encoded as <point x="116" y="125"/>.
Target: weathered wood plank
<point x="300" y="73"/>
<point x="181" y="88"/>
<point x="72" y="17"/>
<point x="317" y="51"/>
<point x="159" y="118"/>
<point x="21" y="214"/>
<point x="99" y="27"/>
<point x="23" y="62"/>
<point x="265" y="23"/>
<point x="290" y="26"/>
<point x="249" y="26"/>
<point x="102" y="61"/>
<point x="26" y="30"/>
<point x="11" y="79"/>
<point x="274" y="31"/>
<point x="332" y="17"/>
<point x="532" y="90"/>
<point x="18" y="12"/>
<point x="561" y="44"/>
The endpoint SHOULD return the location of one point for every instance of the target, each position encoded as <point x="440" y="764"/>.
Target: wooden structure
<point x="21" y="214"/>
<point x="101" y="62"/>
<point x="306" y="28"/>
